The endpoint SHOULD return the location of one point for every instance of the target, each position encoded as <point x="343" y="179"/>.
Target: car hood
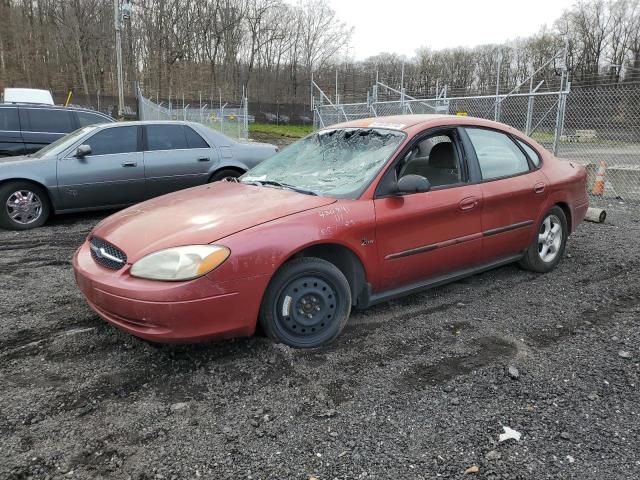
<point x="200" y="215"/>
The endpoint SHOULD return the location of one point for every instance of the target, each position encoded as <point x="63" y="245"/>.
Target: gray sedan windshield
<point x="63" y="143"/>
<point x="339" y="162"/>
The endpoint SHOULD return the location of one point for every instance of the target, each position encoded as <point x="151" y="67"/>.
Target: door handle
<point x="468" y="203"/>
<point x="203" y="159"/>
<point x="539" y="187"/>
<point x="129" y="164"/>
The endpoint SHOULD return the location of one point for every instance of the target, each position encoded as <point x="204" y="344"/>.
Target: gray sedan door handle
<point x="203" y="159"/>
<point x="129" y="164"/>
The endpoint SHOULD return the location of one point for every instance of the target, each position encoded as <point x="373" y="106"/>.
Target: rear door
<point x="11" y="143"/>
<point x="513" y="191"/>
<point x="42" y="126"/>
<point x="175" y="157"/>
<point x="112" y="175"/>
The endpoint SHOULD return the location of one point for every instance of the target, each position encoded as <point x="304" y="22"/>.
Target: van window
<point x="44" y="120"/>
<point x="86" y="118"/>
<point x="9" y="119"/>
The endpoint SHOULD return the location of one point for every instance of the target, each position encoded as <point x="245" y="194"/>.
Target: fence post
<point x="562" y="105"/>
<point x="561" y="100"/>
<point x="527" y="128"/>
<point x="496" y="114"/>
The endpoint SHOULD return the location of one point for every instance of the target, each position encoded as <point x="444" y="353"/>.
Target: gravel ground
<point x="417" y="388"/>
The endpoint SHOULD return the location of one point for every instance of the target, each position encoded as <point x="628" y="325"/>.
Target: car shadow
<point x="73" y="218"/>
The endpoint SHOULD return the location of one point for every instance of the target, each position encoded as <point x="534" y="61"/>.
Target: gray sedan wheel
<point x="23" y="206"/>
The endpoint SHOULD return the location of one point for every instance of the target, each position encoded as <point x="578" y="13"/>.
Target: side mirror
<point x="413" y="184"/>
<point x="83" y="150"/>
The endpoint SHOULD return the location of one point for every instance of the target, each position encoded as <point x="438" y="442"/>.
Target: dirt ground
<point x="418" y="388"/>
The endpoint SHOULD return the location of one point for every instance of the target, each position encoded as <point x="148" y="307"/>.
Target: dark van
<point x="26" y="128"/>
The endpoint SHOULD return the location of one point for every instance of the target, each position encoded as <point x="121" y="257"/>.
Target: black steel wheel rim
<point x="305" y="309"/>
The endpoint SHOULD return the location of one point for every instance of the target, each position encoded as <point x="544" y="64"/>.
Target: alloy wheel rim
<point x="550" y="238"/>
<point x="24" y="207"/>
<point x="306" y="308"/>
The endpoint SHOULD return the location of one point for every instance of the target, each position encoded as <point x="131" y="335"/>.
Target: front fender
<point x="39" y="171"/>
<point x="263" y="249"/>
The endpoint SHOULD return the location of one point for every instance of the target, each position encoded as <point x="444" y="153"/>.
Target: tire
<point x="23" y="206"/>
<point x="225" y="173"/>
<point x="547" y="248"/>
<point x="306" y="287"/>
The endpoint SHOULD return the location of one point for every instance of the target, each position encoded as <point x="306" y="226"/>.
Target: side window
<point x="43" y="120"/>
<point x="435" y="158"/>
<point x="194" y="140"/>
<point x="533" y="155"/>
<point x="86" y="118"/>
<point x="114" y="140"/>
<point x="497" y="154"/>
<point x="166" y="137"/>
<point x="9" y="119"/>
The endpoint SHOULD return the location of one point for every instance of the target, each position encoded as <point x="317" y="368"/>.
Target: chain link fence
<point x="586" y="125"/>
<point x="603" y="124"/>
<point x="232" y="120"/>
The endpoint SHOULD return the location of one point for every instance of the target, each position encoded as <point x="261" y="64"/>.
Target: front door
<point x="112" y="175"/>
<point x="425" y="235"/>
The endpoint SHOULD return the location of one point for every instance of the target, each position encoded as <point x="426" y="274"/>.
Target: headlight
<point x="180" y="263"/>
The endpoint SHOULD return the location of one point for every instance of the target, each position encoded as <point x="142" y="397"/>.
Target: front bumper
<point x="170" y="312"/>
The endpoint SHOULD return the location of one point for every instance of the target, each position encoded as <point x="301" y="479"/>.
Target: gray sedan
<point x="118" y="164"/>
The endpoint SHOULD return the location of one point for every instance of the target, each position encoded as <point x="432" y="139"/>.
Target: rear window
<point x="497" y="155"/>
<point x="531" y="153"/>
<point x="43" y="120"/>
<point x="9" y="119"/>
<point x="166" y="137"/>
<point x="194" y="140"/>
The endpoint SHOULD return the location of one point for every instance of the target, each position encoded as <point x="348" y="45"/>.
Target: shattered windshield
<point x="338" y="162"/>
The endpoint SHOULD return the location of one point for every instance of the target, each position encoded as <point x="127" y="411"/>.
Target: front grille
<point x="106" y="254"/>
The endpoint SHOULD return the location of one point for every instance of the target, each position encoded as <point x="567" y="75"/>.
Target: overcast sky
<point x="401" y="26"/>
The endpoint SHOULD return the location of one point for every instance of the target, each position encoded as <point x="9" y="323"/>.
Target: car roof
<point x="406" y="122"/>
<point x="51" y="107"/>
<point x="213" y="135"/>
<point x="158" y="122"/>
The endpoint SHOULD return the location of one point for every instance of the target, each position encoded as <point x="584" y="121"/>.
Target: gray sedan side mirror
<point x="83" y="150"/>
<point x="413" y="184"/>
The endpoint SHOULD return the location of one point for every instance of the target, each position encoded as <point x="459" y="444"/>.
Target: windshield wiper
<point x="273" y="183"/>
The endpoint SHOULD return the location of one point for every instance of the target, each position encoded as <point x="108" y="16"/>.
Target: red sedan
<point x="352" y="215"/>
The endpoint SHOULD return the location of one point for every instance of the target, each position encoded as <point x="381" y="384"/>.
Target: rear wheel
<point x="546" y="251"/>
<point x="307" y="303"/>
<point x="224" y="174"/>
<point x="23" y="206"/>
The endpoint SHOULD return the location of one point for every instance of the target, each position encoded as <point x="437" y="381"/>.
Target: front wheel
<point x="546" y="251"/>
<point x="23" y="206"/>
<point x="307" y="303"/>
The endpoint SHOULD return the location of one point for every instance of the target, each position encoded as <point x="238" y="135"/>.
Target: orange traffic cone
<point x="598" y="185"/>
